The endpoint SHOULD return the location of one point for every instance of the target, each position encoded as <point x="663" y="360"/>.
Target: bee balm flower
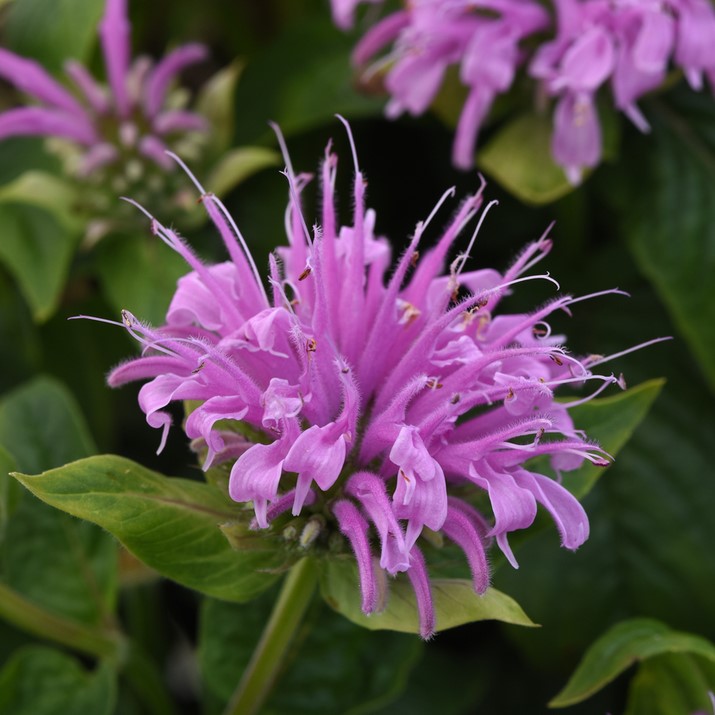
<point x="370" y="400"/>
<point x="126" y="129"/>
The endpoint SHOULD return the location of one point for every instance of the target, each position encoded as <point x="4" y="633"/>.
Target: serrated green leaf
<point x="670" y="223"/>
<point x="622" y="646"/>
<point x="668" y="684"/>
<point x="37" y="248"/>
<point x="43" y="681"/>
<point x="331" y="669"/>
<point x="54" y="31"/>
<point x="171" y="524"/>
<point x="610" y="421"/>
<point x="455" y="602"/>
<point x="139" y="274"/>
<point x="237" y="165"/>
<point x="519" y="157"/>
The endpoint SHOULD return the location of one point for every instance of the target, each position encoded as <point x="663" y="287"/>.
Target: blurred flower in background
<point x="571" y="55"/>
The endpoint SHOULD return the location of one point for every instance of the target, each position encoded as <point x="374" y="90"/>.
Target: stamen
<point x="465" y="256"/>
<point x="646" y="344"/>
<point x="351" y="139"/>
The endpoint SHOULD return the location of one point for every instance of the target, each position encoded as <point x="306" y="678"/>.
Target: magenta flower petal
<point x="114" y="32"/>
<point x="37" y="121"/>
<point x="576" y="141"/>
<point x="381" y="402"/>
<point x="158" y="80"/>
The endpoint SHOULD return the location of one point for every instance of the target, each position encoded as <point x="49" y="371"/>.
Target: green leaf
<point x="42" y="427"/>
<point x="58" y="563"/>
<point x="53" y="32"/>
<point x="622" y="646"/>
<point x="670" y="223"/>
<point x="610" y="421"/>
<point x="37" y="249"/>
<point x="139" y="274"/>
<point x="332" y="668"/>
<point x="301" y="80"/>
<point x="669" y="684"/>
<point x="171" y="524"/>
<point x="216" y="102"/>
<point x="455" y="602"/>
<point x="45" y="191"/>
<point x="237" y="165"/>
<point x="8" y="493"/>
<point x="519" y="158"/>
<point x="43" y="681"/>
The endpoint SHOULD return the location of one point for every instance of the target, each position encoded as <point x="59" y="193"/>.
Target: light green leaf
<point x="622" y="646"/>
<point x="237" y="165"/>
<point x="171" y="524"/>
<point x="519" y="158"/>
<point x="216" y="103"/>
<point x="43" y="681"/>
<point x="669" y="684"/>
<point x="45" y="191"/>
<point x="139" y="274"/>
<point x="455" y="602"/>
<point x="37" y="249"/>
<point x="53" y="32"/>
<point x="333" y="669"/>
<point x="670" y="223"/>
<point x="610" y="421"/>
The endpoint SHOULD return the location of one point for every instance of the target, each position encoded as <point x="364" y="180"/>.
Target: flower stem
<point x="269" y="655"/>
<point x="21" y="612"/>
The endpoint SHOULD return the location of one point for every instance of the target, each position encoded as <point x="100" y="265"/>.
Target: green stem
<point x="21" y="612"/>
<point x="268" y="658"/>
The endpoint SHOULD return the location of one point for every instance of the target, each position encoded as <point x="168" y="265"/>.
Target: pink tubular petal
<point x="98" y="156"/>
<point x="158" y="81"/>
<point x="568" y="514"/>
<point x="474" y="111"/>
<point x="369" y="490"/>
<point x="153" y="148"/>
<point x="177" y="120"/>
<point x="460" y="529"/>
<point x="38" y="121"/>
<point x="95" y="95"/>
<point x="419" y="579"/>
<point x="114" y="32"/>
<point x="576" y="141"/>
<point x="380" y="35"/>
<point x="30" y="77"/>
<point x="355" y="528"/>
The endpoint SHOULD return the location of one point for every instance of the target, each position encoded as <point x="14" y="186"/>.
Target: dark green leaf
<point x="42" y="681"/>
<point x="519" y="158"/>
<point x="622" y="646"/>
<point x="301" y="80"/>
<point x="610" y="421"/>
<point x="455" y="602"/>
<point x="171" y="524"/>
<point x="670" y="684"/>
<point x="670" y="222"/>
<point x="42" y="427"/>
<point x="8" y="493"/>
<point x="53" y="32"/>
<point x="139" y="274"/>
<point x="37" y="249"/>
<point x="331" y="669"/>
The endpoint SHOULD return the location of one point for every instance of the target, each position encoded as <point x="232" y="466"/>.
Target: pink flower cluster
<point x="632" y="43"/>
<point x="131" y="120"/>
<point x="387" y="400"/>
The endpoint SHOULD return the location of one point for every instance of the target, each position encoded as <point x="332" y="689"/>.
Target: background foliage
<point x="644" y="221"/>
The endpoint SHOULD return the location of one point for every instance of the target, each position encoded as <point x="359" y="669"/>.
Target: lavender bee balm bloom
<point x="382" y="401"/>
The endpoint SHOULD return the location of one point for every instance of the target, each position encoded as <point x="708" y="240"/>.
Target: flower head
<point x="632" y="43"/>
<point x="120" y="132"/>
<point x="374" y="402"/>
